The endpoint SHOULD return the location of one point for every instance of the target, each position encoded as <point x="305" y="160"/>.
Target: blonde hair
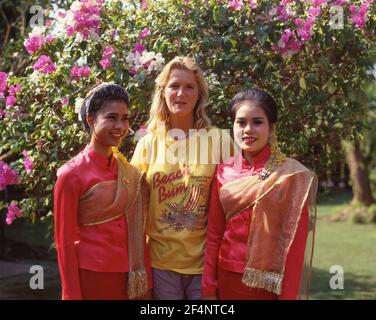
<point x="159" y="110"/>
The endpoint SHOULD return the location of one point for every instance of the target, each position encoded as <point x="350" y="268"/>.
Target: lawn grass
<point x="348" y="245"/>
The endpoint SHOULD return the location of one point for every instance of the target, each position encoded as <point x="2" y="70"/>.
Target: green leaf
<point x="219" y="14"/>
<point x="302" y="84"/>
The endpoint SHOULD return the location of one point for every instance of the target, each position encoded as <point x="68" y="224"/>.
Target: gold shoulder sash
<point x="277" y="203"/>
<point x="108" y="200"/>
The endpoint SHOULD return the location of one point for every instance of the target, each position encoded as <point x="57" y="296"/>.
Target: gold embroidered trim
<point x="268" y="281"/>
<point x="137" y="284"/>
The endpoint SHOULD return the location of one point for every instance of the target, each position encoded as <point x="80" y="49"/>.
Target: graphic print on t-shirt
<point x="182" y="206"/>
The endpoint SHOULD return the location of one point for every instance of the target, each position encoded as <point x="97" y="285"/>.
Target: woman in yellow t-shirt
<point x="179" y="155"/>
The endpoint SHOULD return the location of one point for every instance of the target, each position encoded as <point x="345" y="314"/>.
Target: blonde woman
<point x="178" y="155"/>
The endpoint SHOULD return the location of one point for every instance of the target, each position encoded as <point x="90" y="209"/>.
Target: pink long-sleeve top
<point x="102" y="247"/>
<point x="226" y="243"/>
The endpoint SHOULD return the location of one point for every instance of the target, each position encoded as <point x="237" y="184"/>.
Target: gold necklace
<point x="119" y="155"/>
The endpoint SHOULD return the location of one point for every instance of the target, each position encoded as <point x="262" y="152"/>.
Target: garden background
<point x="315" y="57"/>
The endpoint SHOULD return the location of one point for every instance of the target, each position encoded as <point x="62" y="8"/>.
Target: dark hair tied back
<point x="258" y="97"/>
<point x="97" y="98"/>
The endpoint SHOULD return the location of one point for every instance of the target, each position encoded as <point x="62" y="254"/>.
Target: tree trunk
<point x="359" y="175"/>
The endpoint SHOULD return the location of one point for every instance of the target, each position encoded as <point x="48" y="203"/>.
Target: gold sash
<point x="277" y="205"/>
<point x="108" y="200"/>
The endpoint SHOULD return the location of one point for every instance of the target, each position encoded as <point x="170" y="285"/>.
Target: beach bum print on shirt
<point x="183" y="204"/>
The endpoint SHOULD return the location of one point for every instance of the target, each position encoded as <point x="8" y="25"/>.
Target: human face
<point x="251" y="129"/>
<point x="181" y="92"/>
<point x="110" y="126"/>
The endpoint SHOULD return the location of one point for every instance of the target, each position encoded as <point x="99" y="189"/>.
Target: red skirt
<point x="230" y="287"/>
<point x="103" y="285"/>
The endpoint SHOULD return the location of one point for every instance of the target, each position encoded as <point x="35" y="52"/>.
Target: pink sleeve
<point x="66" y="194"/>
<point x="295" y="259"/>
<point x="216" y="229"/>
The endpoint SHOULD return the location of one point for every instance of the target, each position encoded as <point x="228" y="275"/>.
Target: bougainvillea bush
<point x="313" y="56"/>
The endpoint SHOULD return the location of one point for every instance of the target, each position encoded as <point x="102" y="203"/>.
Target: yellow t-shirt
<point x="180" y="173"/>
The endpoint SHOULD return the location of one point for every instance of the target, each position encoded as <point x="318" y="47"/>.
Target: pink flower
<point x="80" y="72"/>
<point x="64" y="101"/>
<point x="352" y="8"/>
<point x="314" y="11"/>
<point x="358" y="20"/>
<point x="61" y="14"/>
<point x="292" y="47"/>
<point x="13" y="212"/>
<point x="144" y="5"/>
<point x="139" y="48"/>
<point x="359" y="17"/>
<point x="28" y="163"/>
<point x="34" y="43"/>
<point x="8" y="176"/>
<point x="10" y="101"/>
<point x="282" y="12"/>
<point x="49" y="23"/>
<point x="252" y="3"/>
<point x="236" y="4"/>
<point x="2" y="113"/>
<point x="106" y="57"/>
<point x="3" y="81"/>
<point x="13" y="90"/>
<point x="287" y="45"/>
<point x="105" y="63"/>
<point x="298" y="22"/>
<point x="44" y="65"/>
<point x="317" y="3"/>
<point x="69" y="30"/>
<point x="86" y="18"/>
<point x="144" y="33"/>
<point x="50" y="38"/>
<point x="284" y="38"/>
<point x="363" y="9"/>
<point x="108" y="51"/>
<point x="305" y="32"/>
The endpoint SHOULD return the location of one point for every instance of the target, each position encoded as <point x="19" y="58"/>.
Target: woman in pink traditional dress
<point x="100" y="203"/>
<point x="261" y="213"/>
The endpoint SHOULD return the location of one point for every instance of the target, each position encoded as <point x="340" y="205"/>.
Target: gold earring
<point x="276" y="156"/>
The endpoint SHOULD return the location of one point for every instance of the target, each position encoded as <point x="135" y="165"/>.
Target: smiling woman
<point x="109" y="126"/>
<point x="100" y="201"/>
<point x="261" y="212"/>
